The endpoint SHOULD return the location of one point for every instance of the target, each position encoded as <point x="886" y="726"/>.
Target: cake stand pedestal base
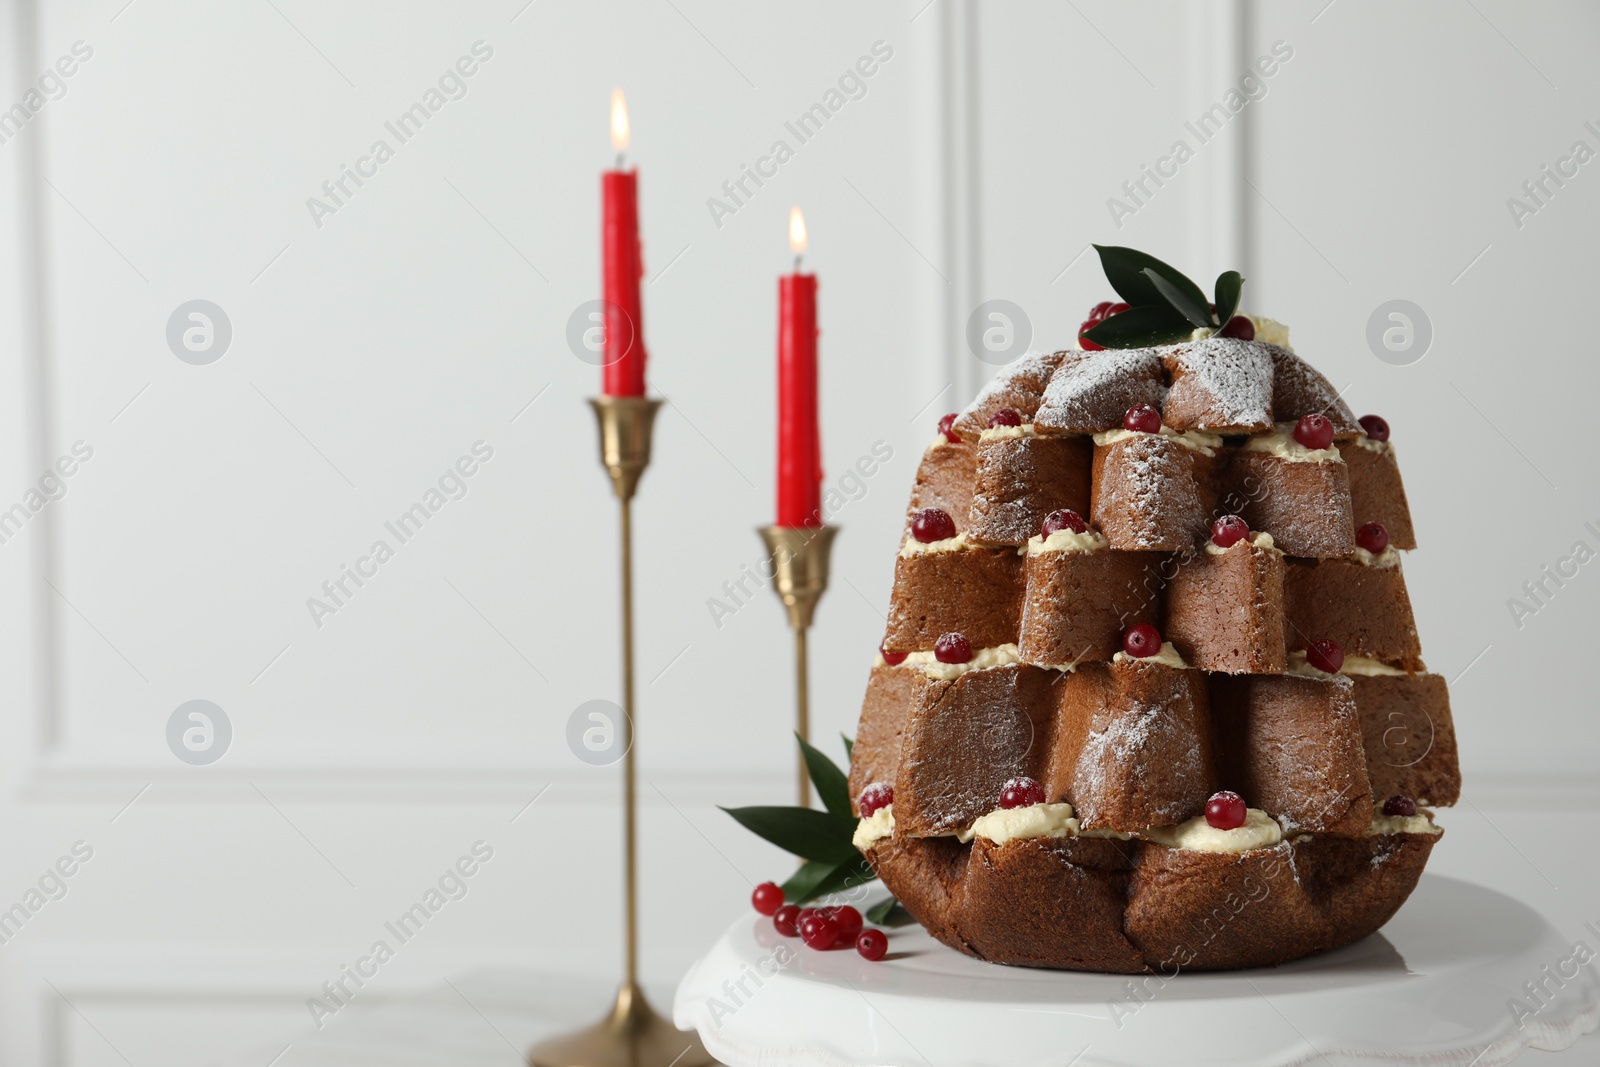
<point x="1438" y="986"/>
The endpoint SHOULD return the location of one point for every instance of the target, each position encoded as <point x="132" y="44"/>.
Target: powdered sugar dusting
<point x="1299" y="389"/>
<point x="1018" y="385"/>
<point x="1091" y="391"/>
<point x="1146" y="490"/>
<point x="1133" y="743"/>
<point x="1220" y="384"/>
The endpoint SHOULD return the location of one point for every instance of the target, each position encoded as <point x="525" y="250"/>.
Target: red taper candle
<point x="799" y="438"/>
<point x="622" y="267"/>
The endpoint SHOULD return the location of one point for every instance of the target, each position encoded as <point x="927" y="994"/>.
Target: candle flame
<point x="797" y="231"/>
<point x="619" y="121"/>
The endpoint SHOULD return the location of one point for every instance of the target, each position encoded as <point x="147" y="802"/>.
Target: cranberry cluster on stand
<point x="830" y="927"/>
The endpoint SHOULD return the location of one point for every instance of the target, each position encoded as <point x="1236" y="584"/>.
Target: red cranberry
<point x="1141" y="640"/>
<point x="893" y="659"/>
<point x="1239" y="327"/>
<point x="1225" y="810"/>
<point x="784" y="920"/>
<point x="1005" y="417"/>
<point x="1400" y="805"/>
<point x="1314" y="431"/>
<point x="1098" y="314"/>
<point x="1229" y="531"/>
<point x="875" y="796"/>
<point x="849" y="920"/>
<point x="1020" y="793"/>
<point x="1142" y="418"/>
<point x="932" y="524"/>
<point x="767" y="898"/>
<point x="947" y="426"/>
<point x="818" y="931"/>
<point x="872" y="945"/>
<point x="1373" y="537"/>
<point x="952" y="648"/>
<point x="1375" y="425"/>
<point x="1325" y="655"/>
<point x="1063" y="519"/>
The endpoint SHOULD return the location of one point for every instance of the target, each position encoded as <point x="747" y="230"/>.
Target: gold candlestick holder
<point x="633" y="1034"/>
<point x="800" y="557"/>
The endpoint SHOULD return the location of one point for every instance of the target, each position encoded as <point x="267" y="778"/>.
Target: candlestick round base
<point x="632" y="1035"/>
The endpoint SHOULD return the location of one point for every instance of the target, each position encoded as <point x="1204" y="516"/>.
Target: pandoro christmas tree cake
<point x="1151" y="693"/>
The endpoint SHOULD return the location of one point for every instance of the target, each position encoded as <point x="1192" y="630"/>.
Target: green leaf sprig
<point x="821" y="838"/>
<point x="1164" y="305"/>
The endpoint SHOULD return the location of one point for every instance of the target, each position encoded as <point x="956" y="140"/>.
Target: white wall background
<point x="429" y="313"/>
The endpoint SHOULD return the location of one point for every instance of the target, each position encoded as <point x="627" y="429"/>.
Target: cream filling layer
<point x="1268" y="331"/>
<point x="1090" y="540"/>
<point x="998" y="656"/>
<point x="1299" y="665"/>
<point x="1403" y="824"/>
<point x="1363" y="666"/>
<point x="1380" y="447"/>
<point x="1011" y="824"/>
<point x="1369" y="668"/>
<point x="1198" y="440"/>
<point x="960" y="542"/>
<point x="1035" y="821"/>
<point x="1281" y="443"/>
<point x="1167" y="657"/>
<point x="1260" y="830"/>
<point x="1260" y="540"/>
<point x="874" y="828"/>
<point x="1381" y="560"/>
<point x="1043" y="821"/>
<point x="1001" y="433"/>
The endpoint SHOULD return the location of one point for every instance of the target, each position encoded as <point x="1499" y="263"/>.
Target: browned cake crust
<point x="1078" y="603"/>
<point x="963" y="740"/>
<point x="1215" y="911"/>
<point x="976" y="592"/>
<point x="1020" y="480"/>
<point x="1087" y="904"/>
<point x="1410" y="738"/>
<point x="891" y="692"/>
<point x="1118" y="720"/>
<point x="1366" y="609"/>
<point x="1300" y="389"/>
<point x="1049" y="903"/>
<point x="944" y="480"/>
<point x="1019" y="386"/>
<point x="1377" y="494"/>
<point x="1304" y="506"/>
<point x="924" y="873"/>
<point x="1225" y="612"/>
<point x="1293" y="746"/>
<point x="1151" y="493"/>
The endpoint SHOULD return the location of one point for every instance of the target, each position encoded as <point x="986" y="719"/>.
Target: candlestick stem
<point x="630" y="866"/>
<point x="802" y="712"/>
<point x="800" y="561"/>
<point x="632" y="1034"/>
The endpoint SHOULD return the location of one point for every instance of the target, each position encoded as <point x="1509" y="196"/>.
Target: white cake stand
<point x="1434" y="987"/>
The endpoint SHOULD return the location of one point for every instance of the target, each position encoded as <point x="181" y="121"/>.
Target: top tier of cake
<point x="1226" y="410"/>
